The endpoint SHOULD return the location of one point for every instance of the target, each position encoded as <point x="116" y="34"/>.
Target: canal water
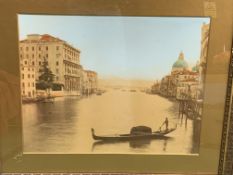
<point x="65" y="125"/>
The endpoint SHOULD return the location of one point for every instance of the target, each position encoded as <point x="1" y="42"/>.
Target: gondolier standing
<point x="166" y="122"/>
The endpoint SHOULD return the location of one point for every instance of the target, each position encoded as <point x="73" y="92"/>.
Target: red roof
<point x="47" y="37"/>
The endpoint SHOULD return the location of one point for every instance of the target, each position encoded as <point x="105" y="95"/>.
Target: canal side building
<point x="28" y="81"/>
<point x="180" y="81"/>
<point x="89" y="82"/>
<point x="62" y="59"/>
<point x="155" y="88"/>
<point x="184" y="80"/>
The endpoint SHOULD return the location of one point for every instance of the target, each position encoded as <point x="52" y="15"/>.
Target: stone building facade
<point x="90" y="82"/>
<point x="180" y="81"/>
<point x="62" y="59"/>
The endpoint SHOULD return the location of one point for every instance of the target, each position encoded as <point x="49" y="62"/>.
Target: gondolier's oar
<point x="161" y="126"/>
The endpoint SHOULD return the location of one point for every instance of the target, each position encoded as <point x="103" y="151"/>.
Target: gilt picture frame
<point x="215" y="156"/>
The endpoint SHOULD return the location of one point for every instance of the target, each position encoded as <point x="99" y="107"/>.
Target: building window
<point x="25" y="62"/>
<point x="29" y="76"/>
<point x="47" y="48"/>
<point x="28" y="69"/>
<point x="28" y="84"/>
<point x="22" y="68"/>
<point x="39" y="62"/>
<point x="39" y="48"/>
<point x="57" y="71"/>
<point x="22" y="84"/>
<point x="27" y="56"/>
<point x="39" y="56"/>
<point x="57" y="63"/>
<point x="47" y="55"/>
<point x="32" y="75"/>
<point x="21" y="56"/>
<point x="57" y="47"/>
<point x="33" y="63"/>
<point x="32" y="55"/>
<point x="32" y="48"/>
<point x="26" y="48"/>
<point x="22" y="76"/>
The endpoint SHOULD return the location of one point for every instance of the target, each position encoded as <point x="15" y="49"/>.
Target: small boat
<point x="99" y="93"/>
<point x="47" y="99"/>
<point x="133" y="90"/>
<point x="138" y="132"/>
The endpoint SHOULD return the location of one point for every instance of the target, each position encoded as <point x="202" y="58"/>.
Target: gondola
<point x="136" y="133"/>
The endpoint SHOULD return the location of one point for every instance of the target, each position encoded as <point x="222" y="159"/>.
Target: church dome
<point x="180" y="63"/>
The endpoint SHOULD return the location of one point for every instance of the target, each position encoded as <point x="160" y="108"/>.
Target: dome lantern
<point x="180" y="63"/>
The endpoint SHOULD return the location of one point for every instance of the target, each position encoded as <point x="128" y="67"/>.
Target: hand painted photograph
<point x="112" y="84"/>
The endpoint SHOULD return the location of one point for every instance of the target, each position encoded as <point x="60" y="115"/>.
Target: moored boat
<point x="47" y="99"/>
<point x="139" y="132"/>
<point x="98" y="93"/>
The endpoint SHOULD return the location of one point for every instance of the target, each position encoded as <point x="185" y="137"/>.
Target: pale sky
<point x="123" y="47"/>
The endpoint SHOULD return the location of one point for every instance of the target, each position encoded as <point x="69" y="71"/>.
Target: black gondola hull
<point x="127" y="137"/>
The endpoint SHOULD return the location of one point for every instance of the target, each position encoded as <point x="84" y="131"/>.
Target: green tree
<point x="46" y="77"/>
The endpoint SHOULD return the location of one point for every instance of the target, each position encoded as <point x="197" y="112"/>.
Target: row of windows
<point x="29" y="93"/>
<point x="27" y="62"/>
<point x="71" y="58"/>
<point x="29" y="69"/>
<point x="28" y="84"/>
<point x="71" y="52"/>
<point x="187" y="76"/>
<point x="32" y="75"/>
<point x="33" y="56"/>
<point x="71" y="71"/>
<point x="39" y="62"/>
<point x="72" y="66"/>
<point x="27" y="48"/>
<point x="28" y="76"/>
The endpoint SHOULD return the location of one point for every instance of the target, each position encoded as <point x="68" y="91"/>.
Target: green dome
<point x="180" y="63"/>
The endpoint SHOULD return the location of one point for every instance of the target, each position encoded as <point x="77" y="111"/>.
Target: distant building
<point x="187" y="84"/>
<point x="91" y="81"/>
<point x="63" y="60"/>
<point x="184" y="82"/>
<point x="165" y="86"/>
<point x="155" y="88"/>
<point x="85" y="83"/>
<point x="181" y="81"/>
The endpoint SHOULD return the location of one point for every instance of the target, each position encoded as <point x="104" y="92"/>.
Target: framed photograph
<point x="116" y="86"/>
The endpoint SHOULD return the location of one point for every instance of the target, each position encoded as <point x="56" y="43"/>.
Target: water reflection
<point x="64" y="126"/>
<point x="144" y="143"/>
<point x="134" y="144"/>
